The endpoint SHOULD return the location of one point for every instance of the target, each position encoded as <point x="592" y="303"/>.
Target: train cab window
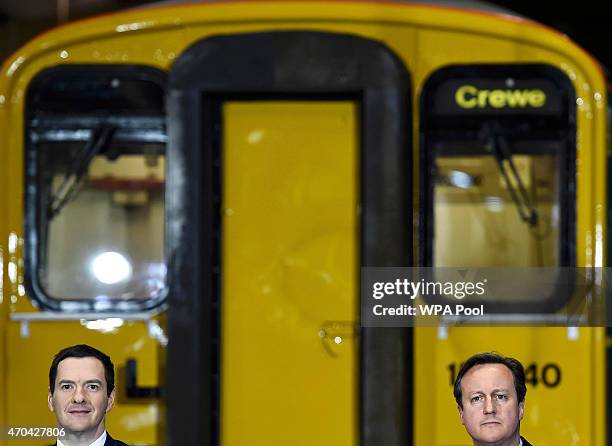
<point x="498" y="147"/>
<point x="95" y="178"/>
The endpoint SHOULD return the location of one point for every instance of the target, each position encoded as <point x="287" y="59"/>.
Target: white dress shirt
<point x="97" y="442"/>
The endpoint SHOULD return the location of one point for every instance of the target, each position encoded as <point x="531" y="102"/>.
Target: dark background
<point x="584" y="21"/>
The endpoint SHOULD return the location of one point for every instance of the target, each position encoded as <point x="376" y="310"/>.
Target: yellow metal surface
<point x="289" y="293"/>
<point x="3" y="254"/>
<point x="426" y="39"/>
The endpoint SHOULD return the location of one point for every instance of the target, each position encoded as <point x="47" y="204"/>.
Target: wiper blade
<point x="98" y="141"/>
<point x="498" y="144"/>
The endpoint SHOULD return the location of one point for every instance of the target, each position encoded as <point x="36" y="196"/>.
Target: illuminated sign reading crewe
<point x="469" y="97"/>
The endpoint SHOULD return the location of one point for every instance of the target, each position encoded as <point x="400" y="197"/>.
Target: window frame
<point x="566" y="158"/>
<point x="33" y="225"/>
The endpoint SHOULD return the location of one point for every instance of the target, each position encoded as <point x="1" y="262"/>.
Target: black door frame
<point x="273" y="65"/>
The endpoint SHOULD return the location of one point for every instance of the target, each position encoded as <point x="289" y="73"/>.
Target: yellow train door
<point x="289" y="164"/>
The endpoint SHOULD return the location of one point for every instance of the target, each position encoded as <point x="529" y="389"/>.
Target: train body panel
<point x="296" y="301"/>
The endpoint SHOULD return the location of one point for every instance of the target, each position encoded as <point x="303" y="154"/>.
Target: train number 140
<point x="549" y="374"/>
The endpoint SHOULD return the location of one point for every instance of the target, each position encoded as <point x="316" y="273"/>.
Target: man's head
<point x="81" y="389"/>
<point x="490" y="393"/>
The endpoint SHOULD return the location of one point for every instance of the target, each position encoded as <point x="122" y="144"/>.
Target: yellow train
<point x="194" y="188"/>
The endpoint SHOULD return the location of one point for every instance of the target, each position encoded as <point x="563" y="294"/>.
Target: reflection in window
<point x="106" y="239"/>
<point x="480" y="221"/>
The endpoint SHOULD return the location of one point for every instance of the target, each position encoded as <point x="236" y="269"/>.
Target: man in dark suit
<point x="490" y="393"/>
<point x="81" y="393"/>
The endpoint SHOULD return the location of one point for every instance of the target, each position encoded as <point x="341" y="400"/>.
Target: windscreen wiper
<point x="98" y="141"/>
<point x="498" y="144"/>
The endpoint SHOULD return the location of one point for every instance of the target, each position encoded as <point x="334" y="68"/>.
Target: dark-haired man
<point x="81" y="393"/>
<point x="490" y="393"/>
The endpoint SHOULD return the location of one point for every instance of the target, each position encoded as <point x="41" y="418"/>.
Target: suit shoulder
<point x="525" y="442"/>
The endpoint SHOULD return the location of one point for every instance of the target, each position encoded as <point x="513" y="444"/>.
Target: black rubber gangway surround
<point x="292" y="65"/>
